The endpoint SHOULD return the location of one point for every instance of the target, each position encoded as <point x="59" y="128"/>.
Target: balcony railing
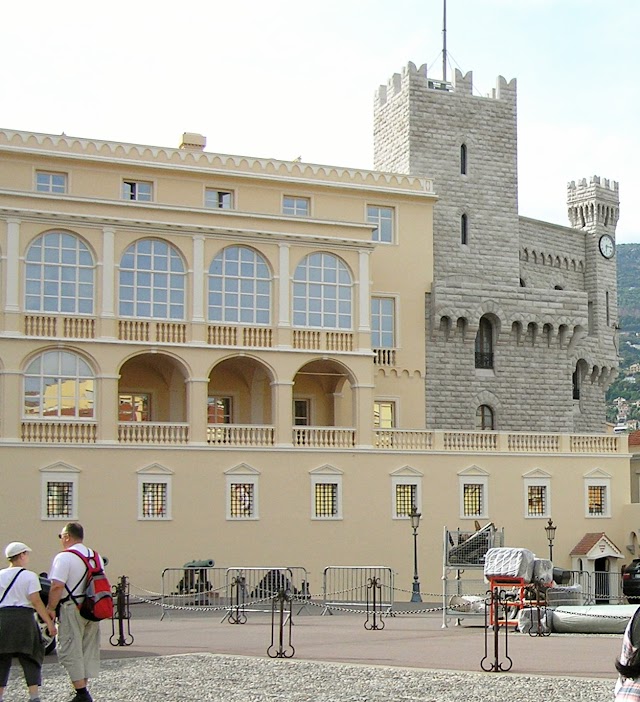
<point x="240" y="435"/>
<point x="67" y="327"/>
<point x="171" y="433"/>
<point x="324" y="437"/>
<point x="64" y="431"/>
<point x="58" y="432"/>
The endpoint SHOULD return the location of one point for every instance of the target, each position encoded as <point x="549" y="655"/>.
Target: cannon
<point x="194" y="579"/>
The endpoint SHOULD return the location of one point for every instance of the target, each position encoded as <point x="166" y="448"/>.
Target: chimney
<point x="193" y="142"/>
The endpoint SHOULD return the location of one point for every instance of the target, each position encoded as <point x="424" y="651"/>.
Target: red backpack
<point x="98" y="600"/>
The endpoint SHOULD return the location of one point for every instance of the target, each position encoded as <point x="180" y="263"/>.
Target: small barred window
<point x="60" y="500"/>
<point x="326" y="500"/>
<point x="406" y="499"/>
<point x="154" y="500"/>
<point x="242" y="500"/>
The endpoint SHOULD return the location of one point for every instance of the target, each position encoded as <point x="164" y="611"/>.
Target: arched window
<point x="58" y="384"/>
<point x="484" y="418"/>
<point x="322" y="293"/>
<point x="484" y="344"/>
<point x="59" y="275"/>
<point x="463" y="159"/>
<point x="464" y="236"/>
<point x="152" y="281"/>
<point x="578" y="378"/>
<point x="239" y="287"/>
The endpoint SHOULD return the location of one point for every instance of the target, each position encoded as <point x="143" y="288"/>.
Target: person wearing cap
<point x="79" y="639"/>
<point x="19" y="632"/>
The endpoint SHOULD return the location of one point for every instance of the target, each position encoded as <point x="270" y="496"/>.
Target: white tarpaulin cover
<point x="509" y="563"/>
<point x="592" y="619"/>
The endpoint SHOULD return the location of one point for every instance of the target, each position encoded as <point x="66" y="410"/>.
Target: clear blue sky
<point x="292" y="78"/>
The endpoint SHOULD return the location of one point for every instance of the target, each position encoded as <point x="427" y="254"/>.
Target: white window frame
<point x="326" y="475"/>
<point x="214" y="199"/>
<point x="394" y="301"/>
<point x="59" y="473"/>
<point x="474" y="476"/>
<point x="598" y="478"/>
<point x="243" y="473"/>
<point x="133" y="184"/>
<point x="537" y="479"/>
<point x="158" y="475"/>
<point x="406" y="476"/>
<point x="300" y="206"/>
<point x="51" y="187"/>
<point x="378" y="219"/>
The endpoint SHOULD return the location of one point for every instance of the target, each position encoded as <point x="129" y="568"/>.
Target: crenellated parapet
<point x="462" y="84"/>
<point x="594" y="202"/>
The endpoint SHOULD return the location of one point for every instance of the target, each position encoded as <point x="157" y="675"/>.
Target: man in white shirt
<point x="78" y="638"/>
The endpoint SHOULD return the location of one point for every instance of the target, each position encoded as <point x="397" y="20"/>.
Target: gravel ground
<point x="242" y="679"/>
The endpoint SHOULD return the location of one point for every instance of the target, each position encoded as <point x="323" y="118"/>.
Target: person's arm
<point x="38" y="605"/>
<point x="55" y="595"/>
<point x="634" y="633"/>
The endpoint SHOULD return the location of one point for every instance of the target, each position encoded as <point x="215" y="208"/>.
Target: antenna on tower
<point x="444" y="42"/>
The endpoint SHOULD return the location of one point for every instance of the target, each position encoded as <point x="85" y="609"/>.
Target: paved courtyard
<point x="198" y="657"/>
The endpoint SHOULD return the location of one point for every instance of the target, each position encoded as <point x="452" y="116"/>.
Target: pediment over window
<point x="154" y="469"/>
<point x="474" y="470"/>
<point x="60" y="467"/>
<point x="597" y="473"/>
<point x="536" y="473"/>
<point x="242" y="469"/>
<point x="407" y="472"/>
<point x="326" y="470"/>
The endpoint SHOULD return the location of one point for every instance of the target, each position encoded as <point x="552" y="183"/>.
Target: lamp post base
<point x="415" y="594"/>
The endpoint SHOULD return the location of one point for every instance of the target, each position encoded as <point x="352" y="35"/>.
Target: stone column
<point x="282" y="394"/>
<point x="197" y="393"/>
<point x="107" y="408"/>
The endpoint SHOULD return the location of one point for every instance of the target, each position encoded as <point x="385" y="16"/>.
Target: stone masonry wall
<point x="541" y="334"/>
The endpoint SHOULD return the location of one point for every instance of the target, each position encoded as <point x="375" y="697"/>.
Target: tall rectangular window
<point x="536" y="500"/>
<point x="59" y="500"/>
<point x="47" y="182"/>
<point x="218" y="199"/>
<point x="154" y="493"/>
<point x="139" y="190"/>
<point x="59" y="492"/>
<point x="241" y="500"/>
<point x="218" y="410"/>
<point x="383" y="323"/>
<point x="134" y="407"/>
<point x="384" y="414"/>
<point x="597" y="500"/>
<point x="154" y="500"/>
<point x="382" y="217"/>
<point x="301" y="413"/>
<point x="406" y="499"/>
<point x="472" y="500"/>
<point x="296" y="206"/>
<point x="326" y="500"/>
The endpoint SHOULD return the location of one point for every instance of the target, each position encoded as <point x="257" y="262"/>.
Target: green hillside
<point x="628" y="257"/>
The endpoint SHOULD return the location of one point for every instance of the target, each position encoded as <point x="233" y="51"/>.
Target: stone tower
<point x="521" y="319"/>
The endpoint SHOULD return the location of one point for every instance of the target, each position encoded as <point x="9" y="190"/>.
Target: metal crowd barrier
<point x="192" y="587"/>
<point x="349" y="586"/>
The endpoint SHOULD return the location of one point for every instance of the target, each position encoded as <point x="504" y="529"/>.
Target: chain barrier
<point x="307" y="599"/>
<point x="281" y="606"/>
<point x="122" y="614"/>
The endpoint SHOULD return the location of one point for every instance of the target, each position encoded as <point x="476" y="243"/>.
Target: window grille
<point x="597" y="499"/>
<point x="536" y="500"/>
<point x="472" y="500"/>
<point x="60" y="500"/>
<point x="242" y="500"/>
<point x="326" y="500"/>
<point x="154" y="500"/>
<point x="406" y="499"/>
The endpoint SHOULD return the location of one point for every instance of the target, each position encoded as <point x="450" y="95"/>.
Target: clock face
<point x="607" y="247"/>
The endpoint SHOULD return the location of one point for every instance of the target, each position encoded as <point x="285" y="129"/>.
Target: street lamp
<point x="414" y="515"/>
<point x="551" y="534"/>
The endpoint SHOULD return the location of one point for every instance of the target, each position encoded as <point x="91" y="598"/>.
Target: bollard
<point x="496" y="601"/>
<point x="374" y="608"/>
<point x="282" y="604"/>
<point x="122" y="614"/>
<point x="236" y="612"/>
